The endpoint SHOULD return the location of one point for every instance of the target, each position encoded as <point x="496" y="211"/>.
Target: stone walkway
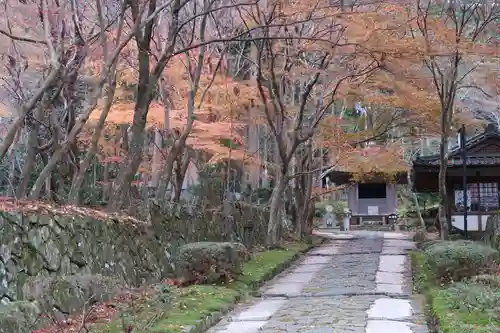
<point x="356" y="283"/>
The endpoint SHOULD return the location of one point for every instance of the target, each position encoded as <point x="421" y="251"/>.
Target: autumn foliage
<point x="193" y="85"/>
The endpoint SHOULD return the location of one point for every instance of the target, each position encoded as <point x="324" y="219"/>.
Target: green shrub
<point x="424" y="245"/>
<point x="486" y="279"/>
<point x="468" y="307"/>
<point x="210" y="262"/>
<point x="453" y="261"/>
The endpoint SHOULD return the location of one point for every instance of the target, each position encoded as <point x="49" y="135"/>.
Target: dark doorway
<point x="372" y="191"/>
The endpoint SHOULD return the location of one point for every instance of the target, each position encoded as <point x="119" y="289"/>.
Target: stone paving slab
<point x="389" y="326"/>
<point x="390" y="278"/>
<point x="393" y="264"/>
<point x="284" y="290"/>
<point x="294" y="277"/>
<point x="399" y="243"/>
<point x="397" y="235"/>
<point x="391" y="309"/>
<point x="326" y="251"/>
<point x="390" y="289"/>
<point x="321" y="314"/>
<point x="314" y="260"/>
<point x="240" y="327"/>
<point x="335" y="235"/>
<point x="308" y="268"/>
<point x="260" y="311"/>
<point x="386" y="250"/>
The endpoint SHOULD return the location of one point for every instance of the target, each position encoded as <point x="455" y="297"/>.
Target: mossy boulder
<point x="69" y="294"/>
<point x="420" y="236"/>
<point x="19" y="317"/>
<point x="210" y="262"/>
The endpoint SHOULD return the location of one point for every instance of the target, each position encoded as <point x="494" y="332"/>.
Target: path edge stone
<point x="213" y="318"/>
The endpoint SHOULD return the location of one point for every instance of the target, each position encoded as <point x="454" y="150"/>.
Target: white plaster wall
<point x="472" y="222"/>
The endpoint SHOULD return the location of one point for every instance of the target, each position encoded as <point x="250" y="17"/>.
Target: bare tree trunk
<point x="134" y="156"/>
<point x="25" y="110"/>
<point x="443" y="165"/>
<point x="105" y="188"/>
<point x="48" y="187"/>
<point x="443" y="200"/>
<point x="12" y="171"/>
<point x="415" y="200"/>
<point x="305" y="212"/>
<point x="157" y="157"/>
<point x="76" y="187"/>
<point x="66" y="144"/>
<point x="274" y="210"/>
<point x="180" y="174"/>
<point x="29" y="163"/>
<point x="167" y="171"/>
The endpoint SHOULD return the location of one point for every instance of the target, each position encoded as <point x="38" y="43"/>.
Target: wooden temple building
<point x="482" y="180"/>
<point x="370" y="176"/>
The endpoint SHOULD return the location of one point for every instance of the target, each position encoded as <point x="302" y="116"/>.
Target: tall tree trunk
<point x="305" y="211"/>
<point x="415" y="200"/>
<point x="26" y="109"/>
<point x="157" y="158"/>
<point x="274" y="210"/>
<point x="177" y="148"/>
<point x="180" y="174"/>
<point x="74" y="193"/>
<point x="29" y="163"/>
<point x="134" y="156"/>
<point x="443" y="166"/>
<point x="12" y="172"/>
<point x="167" y="172"/>
<point x="62" y="148"/>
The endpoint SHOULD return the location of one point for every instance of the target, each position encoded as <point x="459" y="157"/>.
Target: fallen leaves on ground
<point x="99" y="313"/>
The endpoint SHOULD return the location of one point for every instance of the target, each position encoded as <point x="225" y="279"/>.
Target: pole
<point x="464" y="177"/>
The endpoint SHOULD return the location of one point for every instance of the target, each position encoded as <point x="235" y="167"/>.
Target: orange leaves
<point x="375" y="160"/>
<point x="330" y="134"/>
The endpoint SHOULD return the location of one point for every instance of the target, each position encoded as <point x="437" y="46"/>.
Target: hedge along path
<point x="196" y="308"/>
<point x="467" y="306"/>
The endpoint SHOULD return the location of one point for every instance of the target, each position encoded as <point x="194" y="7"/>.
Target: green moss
<point x="196" y="303"/>
<point x="198" y="307"/>
<point x="265" y="264"/>
<point x="423" y="278"/>
<point x="189" y="306"/>
<point x="466" y="307"/>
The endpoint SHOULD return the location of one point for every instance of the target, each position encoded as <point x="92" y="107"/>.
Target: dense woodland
<point x="109" y="104"/>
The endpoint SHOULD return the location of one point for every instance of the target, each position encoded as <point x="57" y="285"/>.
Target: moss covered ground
<point x="168" y="309"/>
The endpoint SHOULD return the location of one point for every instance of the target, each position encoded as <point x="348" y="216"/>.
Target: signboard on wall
<point x="459" y="198"/>
<point x="372" y="210"/>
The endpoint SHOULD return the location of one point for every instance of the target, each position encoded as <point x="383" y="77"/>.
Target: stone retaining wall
<point x="56" y="245"/>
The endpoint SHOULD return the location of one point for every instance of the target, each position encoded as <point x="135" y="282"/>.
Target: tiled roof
<point x="479" y="160"/>
<point x="486" y="158"/>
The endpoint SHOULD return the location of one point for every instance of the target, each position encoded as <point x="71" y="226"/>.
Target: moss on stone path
<point x="195" y="308"/>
